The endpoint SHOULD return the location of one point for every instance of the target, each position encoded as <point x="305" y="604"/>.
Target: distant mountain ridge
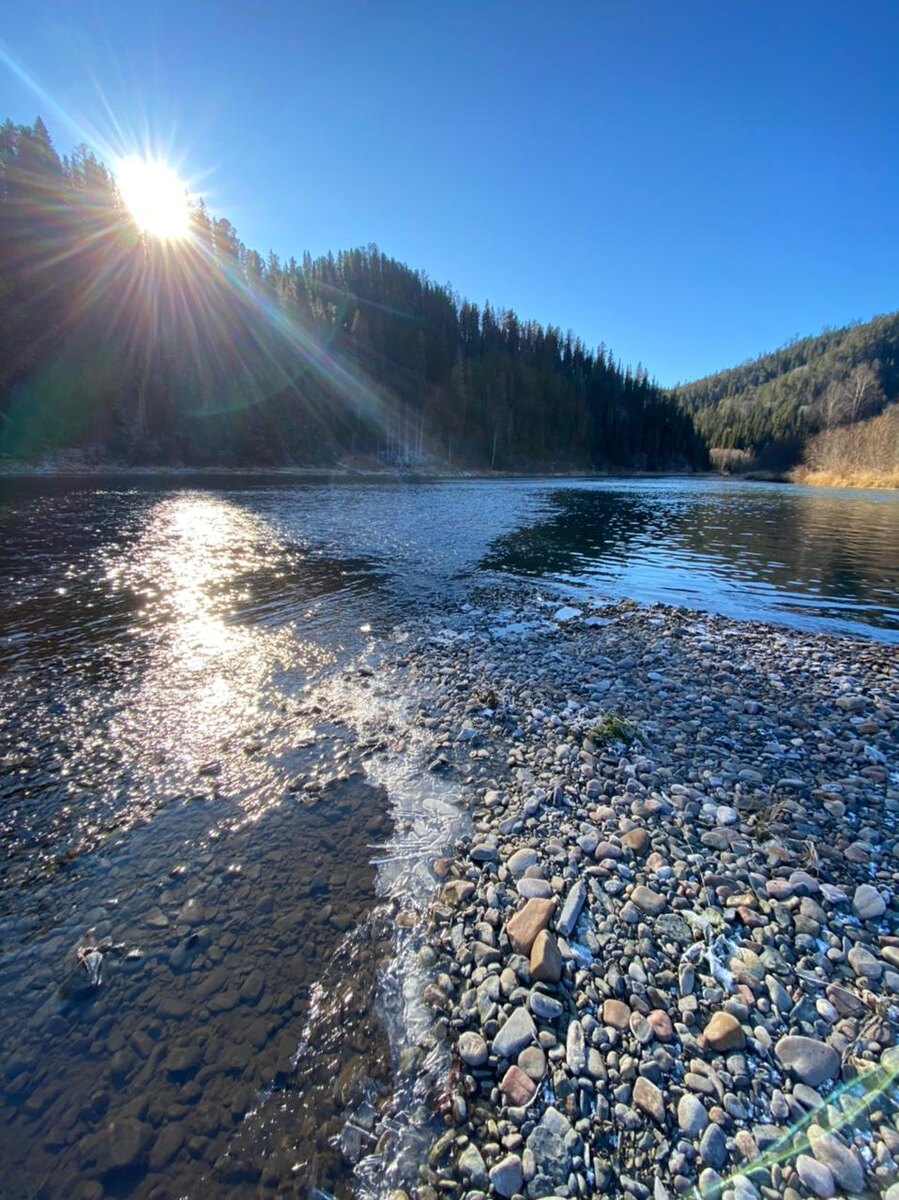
<point x="771" y="405"/>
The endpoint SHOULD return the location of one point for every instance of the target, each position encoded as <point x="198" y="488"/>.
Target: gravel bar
<point x="666" y="960"/>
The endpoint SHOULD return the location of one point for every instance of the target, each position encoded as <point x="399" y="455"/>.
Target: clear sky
<point x="691" y="183"/>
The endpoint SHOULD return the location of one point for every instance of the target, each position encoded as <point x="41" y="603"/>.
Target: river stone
<point x="713" y="1147"/>
<point x="517" y="1087"/>
<point x="534" y="889"/>
<point x="616" y="1013"/>
<point x="691" y="1115"/>
<point x="518" y="1032"/>
<point x="575" y="1052"/>
<point x="532" y="1061"/>
<point x="507" y="1177"/>
<point x="724" y="1032"/>
<point x="123" y="1144"/>
<point x="844" y="1164"/>
<point x="551" y="1159"/>
<point x="472" y="1166"/>
<point x="648" y="1097"/>
<point x="636" y="840"/>
<point x="546" y="961"/>
<point x="547" y="1008"/>
<point x="519" y="862"/>
<point x="571" y="909"/>
<point x="648" y="901"/>
<point x="867" y="903"/>
<point x="472" y="1049"/>
<point x="816" y="1176"/>
<point x="527" y="923"/>
<point x="864" y="963"/>
<point x="811" y="1061"/>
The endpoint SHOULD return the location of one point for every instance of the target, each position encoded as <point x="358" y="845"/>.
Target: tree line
<point x="205" y="352"/>
<point x="770" y="406"/>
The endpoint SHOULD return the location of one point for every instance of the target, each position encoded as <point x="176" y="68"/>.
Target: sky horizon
<point x="691" y="187"/>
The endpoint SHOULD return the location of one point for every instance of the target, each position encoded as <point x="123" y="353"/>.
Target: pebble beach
<point x="665" y="959"/>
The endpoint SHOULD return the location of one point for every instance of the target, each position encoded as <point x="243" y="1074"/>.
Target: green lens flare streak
<point x="862" y="1093"/>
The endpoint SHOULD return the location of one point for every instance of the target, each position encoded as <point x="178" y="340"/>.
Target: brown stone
<point x="527" y="923"/>
<point x="546" y="961"/>
<point x="661" y="1025"/>
<point x="616" y="1013"/>
<point x="724" y="1032"/>
<point x="517" y="1087"/>
<point x="636" y="840"/>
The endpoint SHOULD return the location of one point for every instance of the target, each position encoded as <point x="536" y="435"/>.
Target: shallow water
<point x="190" y="733"/>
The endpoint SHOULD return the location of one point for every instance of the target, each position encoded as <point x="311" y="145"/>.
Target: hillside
<point x="773" y="404"/>
<point x="203" y="352"/>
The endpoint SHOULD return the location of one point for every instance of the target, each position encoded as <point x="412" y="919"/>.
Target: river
<point x="198" y="687"/>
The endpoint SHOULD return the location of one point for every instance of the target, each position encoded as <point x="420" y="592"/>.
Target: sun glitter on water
<point x="154" y="195"/>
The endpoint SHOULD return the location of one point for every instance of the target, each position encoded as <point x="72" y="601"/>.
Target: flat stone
<point x="843" y="1163"/>
<point x="519" y="862"/>
<point x="571" y="909"/>
<point x="534" y="889"/>
<point x="524" y="926"/>
<point x="724" y="1032"/>
<point x="507" y="1176"/>
<point x="517" y="1087"/>
<point x="661" y="1025"/>
<point x="616" y="1013"/>
<point x="816" y="1176"/>
<point x="546" y="960"/>
<point x="518" y="1032"/>
<point x="123" y="1143"/>
<point x="648" y="1097"/>
<point x="648" y="901"/>
<point x="457" y="891"/>
<point x="864" y="963"/>
<point x="692" y="1117"/>
<point x="811" y="1061"/>
<point x="547" y="1008"/>
<point x="636" y="840"/>
<point x="532" y="1061"/>
<point x="713" y="1147"/>
<point x="472" y="1166"/>
<point x="575" y="1052"/>
<point x="472" y="1049"/>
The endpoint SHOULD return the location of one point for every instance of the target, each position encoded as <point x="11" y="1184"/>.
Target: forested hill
<point x="774" y="403"/>
<point x="201" y="351"/>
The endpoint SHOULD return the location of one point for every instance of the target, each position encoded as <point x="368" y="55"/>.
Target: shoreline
<point x="668" y="954"/>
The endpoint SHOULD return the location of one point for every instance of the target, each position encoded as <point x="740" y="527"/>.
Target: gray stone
<point x="575" y="1053"/>
<point x="867" y="903"/>
<point x="519" y="862"/>
<point x="713" y="1147"/>
<point x="817" y="1177"/>
<point x="547" y="1008"/>
<point x="472" y="1166"/>
<point x="648" y="1097"/>
<point x="811" y="1061"/>
<point x="691" y="1115"/>
<point x="571" y="909"/>
<point x="507" y="1176"/>
<point x="518" y="1032"/>
<point x="472" y="1049"/>
<point x="844" y="1164"/>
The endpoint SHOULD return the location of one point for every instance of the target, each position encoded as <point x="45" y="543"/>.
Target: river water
<point x="212" y="789"/>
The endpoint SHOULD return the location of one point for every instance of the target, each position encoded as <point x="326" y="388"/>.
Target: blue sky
<point x="691" y="183"/>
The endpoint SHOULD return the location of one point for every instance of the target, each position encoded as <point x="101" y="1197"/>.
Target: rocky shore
<point x="666" y="961"/>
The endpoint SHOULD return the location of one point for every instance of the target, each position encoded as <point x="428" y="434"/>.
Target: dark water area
<point x="190" y="710"/>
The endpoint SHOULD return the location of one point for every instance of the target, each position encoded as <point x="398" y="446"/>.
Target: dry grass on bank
<point x="865" y="455"/>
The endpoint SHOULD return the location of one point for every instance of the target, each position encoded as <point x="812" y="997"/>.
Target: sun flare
<point x="155" y="196"/>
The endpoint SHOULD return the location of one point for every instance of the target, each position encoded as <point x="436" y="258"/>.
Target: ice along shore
<point x="666" y="960"/>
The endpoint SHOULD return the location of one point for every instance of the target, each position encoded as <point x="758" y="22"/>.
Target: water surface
<point x="188" y="723"/>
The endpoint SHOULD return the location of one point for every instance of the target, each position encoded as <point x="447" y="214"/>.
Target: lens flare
<point x="154" y="195"/>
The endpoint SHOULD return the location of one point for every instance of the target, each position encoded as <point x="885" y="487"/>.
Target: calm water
<point x="187" y="732"/>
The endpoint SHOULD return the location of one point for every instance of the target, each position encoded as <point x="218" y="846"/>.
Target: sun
<point x="154" y="195"/>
